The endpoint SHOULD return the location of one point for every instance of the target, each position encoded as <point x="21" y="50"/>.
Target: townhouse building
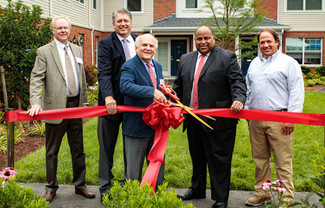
<point x="299" y="23"/>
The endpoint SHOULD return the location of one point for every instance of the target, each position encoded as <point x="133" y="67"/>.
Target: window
<point x="304" y="5"/>
<point x="191" y="4"/>
<point x="96" y="50"/>
<point x="134" y="5"/>
<point x="163" y="55"/>
<point x="94" y="4"/>
<point x="81" y="1"/>
<point x="305" y="50"/>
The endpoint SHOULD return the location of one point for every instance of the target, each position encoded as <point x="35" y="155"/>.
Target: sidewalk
<point x="66" y="198"/>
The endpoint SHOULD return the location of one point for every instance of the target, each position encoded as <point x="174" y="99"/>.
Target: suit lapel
<point x="143" y="70"/>
<point x="213" y="53"/>
<point x="117" y="43"/>
<point x="192" y="64"/>
<point x="56" y="57"/>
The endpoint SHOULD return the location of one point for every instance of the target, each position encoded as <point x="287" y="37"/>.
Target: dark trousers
<point x="137" y="150"/>
<point x="214" y="149"/>
<point x="107" y="131"/>
<point x="54" y="135"/>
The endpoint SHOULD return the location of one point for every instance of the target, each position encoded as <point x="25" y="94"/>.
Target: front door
<point x="178" y="48"/>
<point x="246" y="61"/>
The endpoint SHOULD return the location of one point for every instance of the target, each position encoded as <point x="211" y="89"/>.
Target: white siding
<point x="302" y="21"/>
<point x="182" y="12"/>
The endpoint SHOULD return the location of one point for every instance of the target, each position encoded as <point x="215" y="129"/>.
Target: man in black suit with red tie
<point x="113" y="51"/>
<point x="210" y="78"/>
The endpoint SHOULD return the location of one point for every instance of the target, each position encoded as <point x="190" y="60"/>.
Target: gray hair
<point x="147" y="35"/>
<point x="60" y="17"/>
<point x="123" y="11"/>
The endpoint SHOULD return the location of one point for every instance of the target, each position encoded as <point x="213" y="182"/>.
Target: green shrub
<point x="309" y="82"/>
<point x="92" y="95"/>
<point x="305" y="69"/>
<point x="312" y="75"/>
<point x="91" y="74"/>
<point x="131" y="195"/>
<point x="322" y="78"/>
<point x="321" y="70"/>
<point x="14" y="195"/>
<point x="38" y="129"/>
<point x="3" y="137"/>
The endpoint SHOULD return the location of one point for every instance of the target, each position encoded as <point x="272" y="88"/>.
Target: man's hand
<point x="34" y="110"/>
<point x="288" y="128"/>
<point x="159" y="96"/>
<point x="111" y="105"/>
<point x="236" y="106"/>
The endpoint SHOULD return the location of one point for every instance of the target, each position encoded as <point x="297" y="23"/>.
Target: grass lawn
<point x="308" y="150"/>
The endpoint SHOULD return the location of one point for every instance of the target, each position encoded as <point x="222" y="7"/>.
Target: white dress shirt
<point x="275" y="84"/>
<point x="61" y="50"/>
<point x="130" y="43"/>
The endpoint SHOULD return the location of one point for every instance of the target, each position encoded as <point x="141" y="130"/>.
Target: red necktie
<point x="195" y="98"/>
<point x="152" y="75"/>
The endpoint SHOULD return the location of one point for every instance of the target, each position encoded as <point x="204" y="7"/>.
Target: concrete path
<point x="66" y="198"/>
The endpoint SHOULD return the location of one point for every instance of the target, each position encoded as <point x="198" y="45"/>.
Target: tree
<point x="232" y="18"/>
<point x="22" y="31"/>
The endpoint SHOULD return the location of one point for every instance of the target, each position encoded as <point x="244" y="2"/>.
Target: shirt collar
<point x="270" y="58"/>
<point x="200" y="55"/>
<point x="61" y="45"/>
<point x="129" y="38"/>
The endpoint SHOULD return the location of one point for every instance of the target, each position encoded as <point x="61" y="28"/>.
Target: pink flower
<point x="7" y="172"/>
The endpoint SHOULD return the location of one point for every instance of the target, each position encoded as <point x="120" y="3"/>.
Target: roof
<point x="178" y="24"/>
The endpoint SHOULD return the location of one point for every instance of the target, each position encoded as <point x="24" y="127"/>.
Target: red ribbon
<point x="159" y="118"/>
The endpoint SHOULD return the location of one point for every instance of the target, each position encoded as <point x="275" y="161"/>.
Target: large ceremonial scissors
<point x="171" y="93"/>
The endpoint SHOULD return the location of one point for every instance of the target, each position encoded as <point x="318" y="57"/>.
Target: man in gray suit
<point x="59" y="71"/>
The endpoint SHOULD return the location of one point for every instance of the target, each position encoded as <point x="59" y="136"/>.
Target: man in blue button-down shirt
<point x="275" y="83"/>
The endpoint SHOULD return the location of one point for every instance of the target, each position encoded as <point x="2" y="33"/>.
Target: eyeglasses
<point x="61" y="28"/>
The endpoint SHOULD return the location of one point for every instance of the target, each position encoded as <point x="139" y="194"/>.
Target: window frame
<point x="135" y="12"/>
<point x="197" y="5"/>
<point x="305" y="52"/>
<point x="322" y="9"/>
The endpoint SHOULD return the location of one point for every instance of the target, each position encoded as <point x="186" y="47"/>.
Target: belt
<point x="69" y="99"/>
<point x="284" y="110"/>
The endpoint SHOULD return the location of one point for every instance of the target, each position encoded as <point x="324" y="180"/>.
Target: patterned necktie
<point x="152" y="75"/>
<point x="195" y="98"/>
<point x="126" y="49"/>
<point x="70" y="73"/>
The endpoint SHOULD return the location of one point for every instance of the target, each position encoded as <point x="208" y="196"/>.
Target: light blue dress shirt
<point x="275" y="84"/>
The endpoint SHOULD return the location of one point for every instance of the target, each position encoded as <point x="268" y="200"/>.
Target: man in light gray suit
<point x="59" y="71"/>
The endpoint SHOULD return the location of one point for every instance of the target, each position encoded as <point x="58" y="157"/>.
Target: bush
<point x="309" y="83"/>
<point x="305" y="69"/>
<point x="92" y="95"/>
<point x="312" y="75"/>
<point x="321" y="70"/>
<point x="16" y="196"/>
<point x="131" y="195"/>
<point x="37" y="130"/>
<point x="91" y="74"/>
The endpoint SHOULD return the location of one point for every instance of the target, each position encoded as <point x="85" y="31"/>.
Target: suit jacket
<point x="110" y="60"/>
<point x="220" y="83"/>
<point x="48" y="75"/>
<point x="138" y="89"/>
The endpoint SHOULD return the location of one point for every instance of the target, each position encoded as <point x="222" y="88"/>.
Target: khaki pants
<point x="266" y="137"/>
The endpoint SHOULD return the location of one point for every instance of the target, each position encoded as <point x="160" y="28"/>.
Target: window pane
<point x="134" y="5"/>
<point x="312" y="58"/>
<point x="313" y="4"/>
<point x="295" y="4"/>
<point x="163" y="55"/>
<point x="294" y="44"/>
<point x="313" y="44"/>
<point x="94" y="4"/>
<point x="297" y="56"/>
<point x="191" y="3"/>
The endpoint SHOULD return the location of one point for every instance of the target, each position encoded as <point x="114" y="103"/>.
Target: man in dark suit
<point x="210" y="78"/>
<point x="113" y="51"/>
<point x="58" y="79"/>
<point x="139" y="80"/>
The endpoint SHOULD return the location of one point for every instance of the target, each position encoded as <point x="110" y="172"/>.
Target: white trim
<point x="304" y="11"/>
<point x="135" y="12"/>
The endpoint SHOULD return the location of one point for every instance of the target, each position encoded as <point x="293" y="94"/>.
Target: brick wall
<point x="306" y="34"/>
<point x="163" y="8"/>
<point x="270" y="8"/>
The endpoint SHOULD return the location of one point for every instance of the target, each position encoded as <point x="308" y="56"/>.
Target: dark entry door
<point x="247" y="60"/>
<point x="178" y="48"/>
